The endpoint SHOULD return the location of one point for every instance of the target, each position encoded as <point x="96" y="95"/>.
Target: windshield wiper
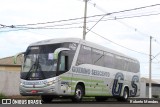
<point x="29" y="72"/>
<point x="40" y="70"/>
<point x="36" y="65"/>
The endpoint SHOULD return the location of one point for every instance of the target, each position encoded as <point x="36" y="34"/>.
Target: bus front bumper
<point x="31" y="91"/>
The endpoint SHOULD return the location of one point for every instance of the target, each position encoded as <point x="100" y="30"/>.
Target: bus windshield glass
<point x="39" y="61"/>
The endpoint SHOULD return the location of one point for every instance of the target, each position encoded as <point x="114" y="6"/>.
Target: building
<point x="7" y="63"/>
<point x="10" y="75"/>
<point x="145" y="88"/>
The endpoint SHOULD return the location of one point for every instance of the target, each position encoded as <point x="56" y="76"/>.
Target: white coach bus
<point x="74" y="68"/>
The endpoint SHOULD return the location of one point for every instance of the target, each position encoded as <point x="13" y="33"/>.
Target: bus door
<point x="62" y="70"/>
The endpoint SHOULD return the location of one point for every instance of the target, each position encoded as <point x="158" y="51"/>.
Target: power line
<point x="143" y="7"/>
<point x="95" y="24"/>
<point x="23" y="29"/>
<point x="126" y="17"/>
<point x="72" y="19"/>
<point x="127" y="10"/>
<point x="157" y="42"/>
<point x="2" y="26"/>
<point x="76" y="23"/>
<point x="115" y="18"/>
<point x="118" y="44"/>
<point x="135" y="29"/>
<point x="59" y="25"/>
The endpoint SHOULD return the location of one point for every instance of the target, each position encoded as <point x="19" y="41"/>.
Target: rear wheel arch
<point x="127" y="89"/>
<point x="125" y="94"/>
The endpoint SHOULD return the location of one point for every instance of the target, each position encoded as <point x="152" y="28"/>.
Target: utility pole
<point x="84" y="25"/>
<point x="150" y="68"/>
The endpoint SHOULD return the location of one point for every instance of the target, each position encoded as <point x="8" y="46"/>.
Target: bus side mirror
<point x="57" y="51"/>
<point x="15" y="57"/>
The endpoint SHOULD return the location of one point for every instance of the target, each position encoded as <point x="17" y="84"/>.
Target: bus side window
<point x="63" y="66"/>
<point x="84" y="56"/>
<point x="97" y="57"/>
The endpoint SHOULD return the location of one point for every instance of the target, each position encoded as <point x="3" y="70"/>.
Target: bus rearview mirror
<point x="15" y="57"/>
<point x="57" y="51"/>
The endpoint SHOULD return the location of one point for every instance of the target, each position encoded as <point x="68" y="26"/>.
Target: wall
<point x="9" y="82"/>
<point x="155" y="90"/>
<point x="142" y="88"/>
<point x="10" y="68"/>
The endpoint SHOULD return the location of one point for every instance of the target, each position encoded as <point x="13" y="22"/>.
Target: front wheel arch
<point x="79" y="92"/>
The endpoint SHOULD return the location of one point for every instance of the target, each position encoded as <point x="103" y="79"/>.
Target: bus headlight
<point x="50" y="82"/>
<point x="21" y="84"/>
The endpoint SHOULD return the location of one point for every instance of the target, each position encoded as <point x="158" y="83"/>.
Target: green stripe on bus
<point x="92" y="93"/>
<point x="94" y="85"/>
<point x="97" y="94"/>
<point x="83" y="79"/>
<point x="93" y="89"/>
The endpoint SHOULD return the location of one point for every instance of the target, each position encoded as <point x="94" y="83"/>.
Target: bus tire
<point x="79" y="92"/>
<point x="46" y="98"/>
<point x="124" y="98"/>
<point x="125" y="94"/>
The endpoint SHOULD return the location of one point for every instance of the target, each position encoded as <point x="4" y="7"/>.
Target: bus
<point x="74" y="68"/>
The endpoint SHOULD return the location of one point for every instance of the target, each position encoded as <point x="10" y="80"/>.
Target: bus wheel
<point x="46" y="98"/>
<point x="125" y="95"/>
<point x="79" y="92"/>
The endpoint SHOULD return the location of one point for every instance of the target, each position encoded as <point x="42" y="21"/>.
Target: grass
<point x="2" y="96"/>
<point x="155" y="96"/>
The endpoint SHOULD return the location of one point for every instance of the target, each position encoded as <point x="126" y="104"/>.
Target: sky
<point x="133" y="33"/>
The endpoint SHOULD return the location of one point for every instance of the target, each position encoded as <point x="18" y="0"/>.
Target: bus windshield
<point x="39" y="62"/>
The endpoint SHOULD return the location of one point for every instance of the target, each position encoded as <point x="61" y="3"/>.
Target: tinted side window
<point x="62" y="63"/>
<point x="132" y="66"/>
<point x="84" y="56"/>
<point x="137" y="66"/>
<point x="97" y="57"/>
<point x="120" y="63"/>
<point x="109" y="60"/>
<point x="125" y="66"/>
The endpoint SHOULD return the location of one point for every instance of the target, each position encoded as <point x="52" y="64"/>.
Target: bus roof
<point x="53" y="41"/>
<point x="78" y="40"/>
